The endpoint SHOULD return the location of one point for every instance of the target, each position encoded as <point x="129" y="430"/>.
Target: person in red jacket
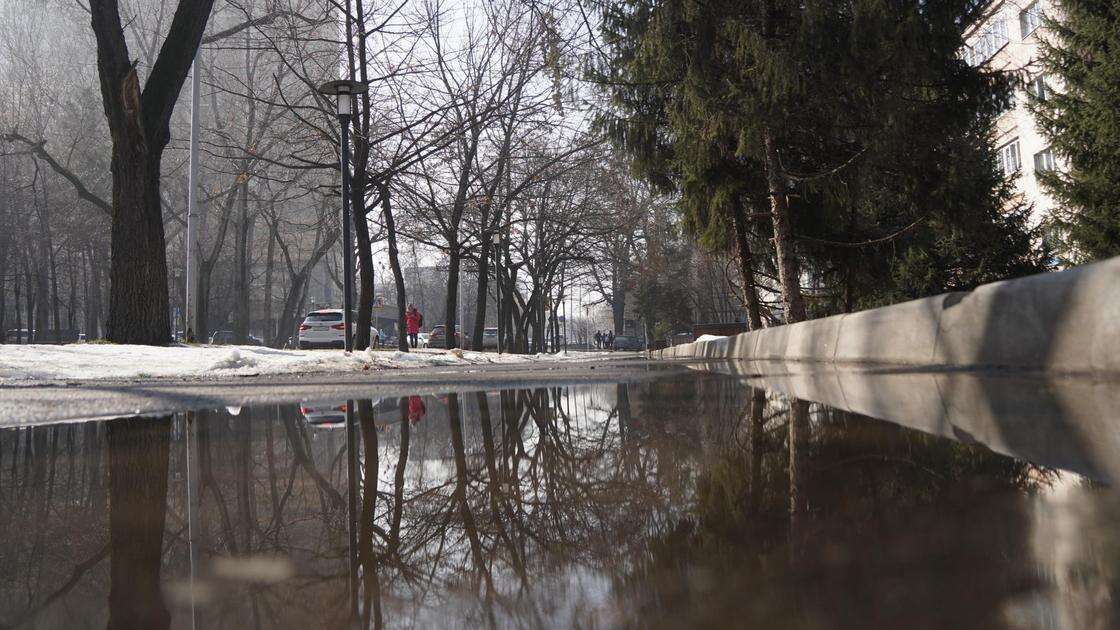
<point x="413" y="320"/>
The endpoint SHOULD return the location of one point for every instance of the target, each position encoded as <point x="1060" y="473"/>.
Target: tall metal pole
<point x="498" y="292"/>
<point x="193" y="185"/>
<point x="347" y="245"/>
<point x="564" y="303"/>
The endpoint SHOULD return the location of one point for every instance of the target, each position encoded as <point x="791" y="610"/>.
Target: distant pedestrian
<point x="610" y="340"/>
<point x="598" y="340"/>
<point x="413" y="320"/>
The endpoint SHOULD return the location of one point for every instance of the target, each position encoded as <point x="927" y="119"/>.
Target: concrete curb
<point x="1067" y="321"/>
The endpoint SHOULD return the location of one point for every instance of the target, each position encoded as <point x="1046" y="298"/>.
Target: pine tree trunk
<point x="746" y="268"/>
<point x="789" y="269"/>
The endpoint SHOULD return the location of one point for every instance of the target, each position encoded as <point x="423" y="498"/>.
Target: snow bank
<point x="110" y="361"/>
<point x="711" y="337"/>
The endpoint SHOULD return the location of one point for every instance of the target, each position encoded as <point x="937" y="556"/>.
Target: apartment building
<point x="1006" y="37"/>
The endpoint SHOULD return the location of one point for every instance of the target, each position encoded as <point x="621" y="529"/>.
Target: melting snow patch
<point x="233" y="360"/>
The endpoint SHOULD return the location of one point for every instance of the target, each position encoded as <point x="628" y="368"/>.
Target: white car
<point x="322" y="329"/>
<point x="325" y="328"/>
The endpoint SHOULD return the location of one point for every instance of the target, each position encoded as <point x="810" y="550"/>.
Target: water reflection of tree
<point x="829" y="518"/>
<point x="533" y="484"/>
<point x="138" y="458"/>
<point x="86" y="508"/>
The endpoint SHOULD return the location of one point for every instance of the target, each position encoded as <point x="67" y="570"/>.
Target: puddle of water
<point x="688" y="501"/>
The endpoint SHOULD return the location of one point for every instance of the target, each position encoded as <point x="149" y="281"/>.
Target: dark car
<point x="437" y="340"/>
<point x="626" y="342"/>
<point x="226" y="337"/>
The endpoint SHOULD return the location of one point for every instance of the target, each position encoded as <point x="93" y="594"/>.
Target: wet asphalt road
<point x="57" y="401"/>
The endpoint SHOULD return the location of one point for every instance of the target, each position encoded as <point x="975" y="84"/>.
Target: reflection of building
<point x="1005" y="37"/>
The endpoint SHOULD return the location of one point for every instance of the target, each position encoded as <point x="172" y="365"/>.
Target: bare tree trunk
<point x="71" y="270"/>
<point x="480" y="295"/>
<point x="789" y="268"/>
<point x="358" y="183"/>
<point x="241" y="277"/>
<point x="19" y="311"/>
<point x="270" y="263"/>
<point x="3" y="293"/>
<point x="395" y="264"/>
<point x="139" y="125"/>
<point x="452" y="292"/>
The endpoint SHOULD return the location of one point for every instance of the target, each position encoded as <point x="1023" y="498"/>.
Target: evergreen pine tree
<point x="876" y="130"/>
<point x="1080" y="116"/>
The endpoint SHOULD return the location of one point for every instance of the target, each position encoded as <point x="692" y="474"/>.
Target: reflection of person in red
<point x="416" y="409"/>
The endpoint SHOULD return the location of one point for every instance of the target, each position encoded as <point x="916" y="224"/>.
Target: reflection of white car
<point x="326" y="415"/>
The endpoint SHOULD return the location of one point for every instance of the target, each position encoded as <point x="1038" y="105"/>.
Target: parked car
<point x="19" y="335"/>
<point x="226" y="337"/>
<point x="626" y="342"/>
<point x="490" y="339"/>
<point x="323" y="328"/>
<point x="422" y="339"/>
<point x="436" y="338"/>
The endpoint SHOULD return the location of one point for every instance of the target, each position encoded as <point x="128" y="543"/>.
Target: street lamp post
<point x="345" y="90"/>
<point x="497" y="240"/>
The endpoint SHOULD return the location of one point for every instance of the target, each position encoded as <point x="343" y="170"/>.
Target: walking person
<point x="610" y="340"/>
<point x="413" y="320"/>
<point x="598" y="340"/>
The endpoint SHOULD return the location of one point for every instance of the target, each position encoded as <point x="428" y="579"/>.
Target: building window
<point x="1044" y="161"/>
<point x="1037" y="87"/>
<point x="988" y="41"/>
<point x="1008" y="158"/>
<point x="1030" y="18"/>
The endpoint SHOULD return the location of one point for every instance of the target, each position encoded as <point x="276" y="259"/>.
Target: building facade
<point x="1005" y="37"/>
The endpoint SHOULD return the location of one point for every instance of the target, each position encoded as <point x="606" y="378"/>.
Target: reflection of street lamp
<point x="497" y="240"/>
<point x="345" y="89"/>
